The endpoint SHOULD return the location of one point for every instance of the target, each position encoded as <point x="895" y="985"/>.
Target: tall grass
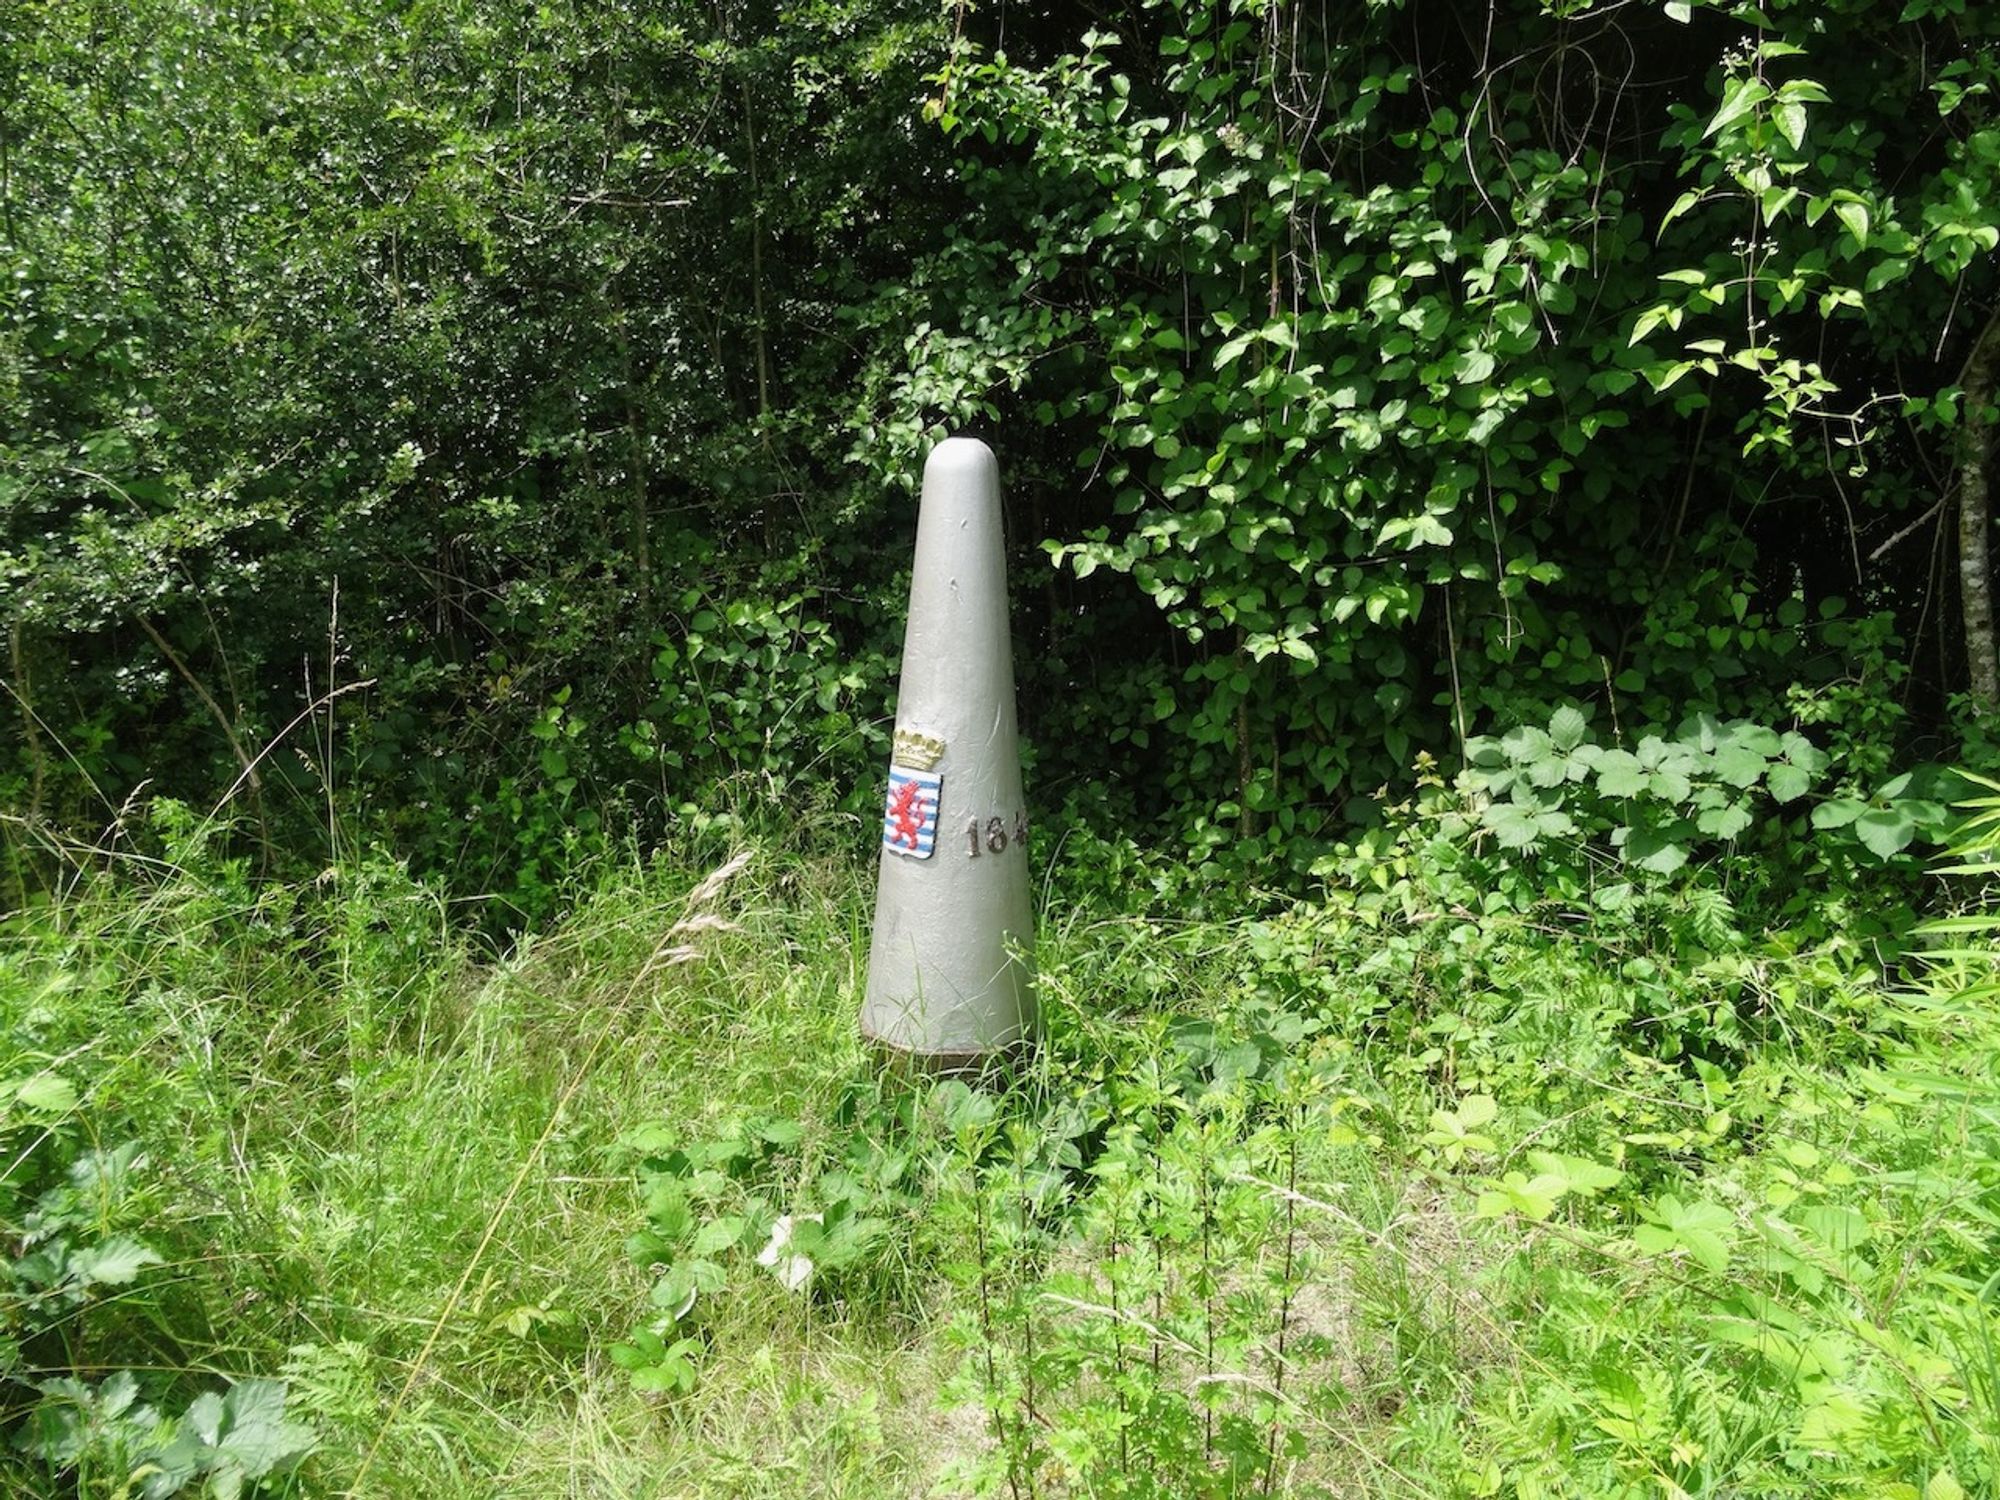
<point x="383" y="1153"/>
<point x="1308" y="1204"/>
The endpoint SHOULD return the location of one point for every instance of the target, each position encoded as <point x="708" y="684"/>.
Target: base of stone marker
<point x="1000" y="1064"/>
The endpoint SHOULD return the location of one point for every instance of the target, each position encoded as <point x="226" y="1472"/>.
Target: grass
<point x="386" y="1166"/>
<point x="337" y="1109"/>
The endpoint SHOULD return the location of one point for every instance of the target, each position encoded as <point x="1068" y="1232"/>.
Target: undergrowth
<point x="1464" y="1178"/>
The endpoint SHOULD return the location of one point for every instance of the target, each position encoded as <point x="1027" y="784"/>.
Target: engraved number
<point x="994" y="835"/>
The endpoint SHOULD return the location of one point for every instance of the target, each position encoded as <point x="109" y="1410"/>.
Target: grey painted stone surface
<point x="944" y="983"/>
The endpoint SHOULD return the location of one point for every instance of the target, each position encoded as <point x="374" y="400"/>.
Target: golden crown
<point x="920" y="752"/>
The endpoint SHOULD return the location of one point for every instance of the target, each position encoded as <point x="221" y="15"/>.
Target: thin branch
<point x="207" y="701"/>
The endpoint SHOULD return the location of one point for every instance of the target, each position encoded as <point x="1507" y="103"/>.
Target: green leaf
<point x="1836" y="1226"/>
<point x="1577" y="1174"/>
<point x="1790" y="118"/>
<point x="1724" y="822"/>
<point x="1619" y="774"/>
<point x="1653" y="849"/>
<point x="1475" y="1110"/>
<point x="660" y="1380"/>
<point x="1886" y="831"/>
<point x="674" y="1293"/>
<point x="1240" y="1061"/>
<point x="1803" y="753"/>
<point x="1854" y="215"/>
<point x="1699" y="1227"/>
<point x="204" y="1418"/>
<point x="1831" y="1420"/>
<point x="1515" y="1193"/>
<point x="256" y="1439"/>
<point x="1474" y="367"/>
<point x="1787" y="782"/>
<point x="1739" y="765"/>
<point x="1741" y="96"/>
<point x="1567" y="728"/>
<point x="1513" y="825"/>
<point x="717" y="1234"/>
<point x="45" y="1094"/>
<point x="1429" y="531"/>
<point x="113" y="1262"/>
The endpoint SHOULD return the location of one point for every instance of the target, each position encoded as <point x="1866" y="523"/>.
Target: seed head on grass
<point x="666" y="953"/>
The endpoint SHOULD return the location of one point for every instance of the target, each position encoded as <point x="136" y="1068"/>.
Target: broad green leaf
<point x="1886" y="831"/>
<point x="256" y="1438"/>
<point x="1475" y="1110"/>
<point x="1834" y="1417"/>
<point x="717" y="1234"/>
<point x="1567" y="728"/>
<point x="1619" y="774"/>
<point x="1576" y="1173"/>
<point x="1837" y="813"/>
<point x="1515" y="1193"/>
<point x="1701" y="1228"/>
<point x="1238" y="1062"/>
<point x="1525" y="744"/>
<point x="1429" y="531"/>
<point x="46" y="1094"/>
<point x="1724" y="822"/>
<point x="1655" y="850"/>
<point x="1515" y="827"/>
<point x="1670" y="784"/>
<point x="1803" y="753"/>
<point x="1855" y="216"/>
<point x="631" y="1357"/>
<point x="113" y="1262"/>
<point x="674" y="1293"/>
<point x="659" y="1380"/>
<point x="1835" y="1225"/>
<point x="1739" y="97"/>
<point x="1790" y="118"/>
<point x="1739" y="765"/>
<point x="1787" y="782"/>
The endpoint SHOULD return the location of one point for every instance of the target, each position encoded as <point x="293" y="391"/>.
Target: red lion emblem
<point x="907" y="808"/>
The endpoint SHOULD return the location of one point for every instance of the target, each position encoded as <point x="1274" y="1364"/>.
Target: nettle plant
<point x="72" y="1277"/>
<point x="1127" y="1263"/>
<point x="740" y="1204"/>
<point x="1659" y="802"/>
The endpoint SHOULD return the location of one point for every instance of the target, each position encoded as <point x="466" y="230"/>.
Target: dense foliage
<point x="1374" y="378"/>
<point x="1499" y="504"/>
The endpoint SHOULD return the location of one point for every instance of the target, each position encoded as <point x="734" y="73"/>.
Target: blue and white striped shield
<point x="910" y="817"/>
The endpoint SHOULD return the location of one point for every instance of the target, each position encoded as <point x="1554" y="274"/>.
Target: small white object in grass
<point x="794" y="1271"/>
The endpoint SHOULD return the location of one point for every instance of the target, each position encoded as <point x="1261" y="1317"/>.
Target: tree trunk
<point x="1975" y="518"/>
<point x="31" y="736"/>
<point x="757" y="259"/>
<point x="1246" y="764"/>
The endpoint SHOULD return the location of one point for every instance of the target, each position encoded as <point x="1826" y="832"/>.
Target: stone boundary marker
<point x="950" y="970"/>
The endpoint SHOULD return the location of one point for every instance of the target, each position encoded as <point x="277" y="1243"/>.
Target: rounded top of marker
<point x="960" y="458"/>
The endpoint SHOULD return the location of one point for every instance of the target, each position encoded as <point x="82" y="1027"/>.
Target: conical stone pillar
<point x="950" y="976"/>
